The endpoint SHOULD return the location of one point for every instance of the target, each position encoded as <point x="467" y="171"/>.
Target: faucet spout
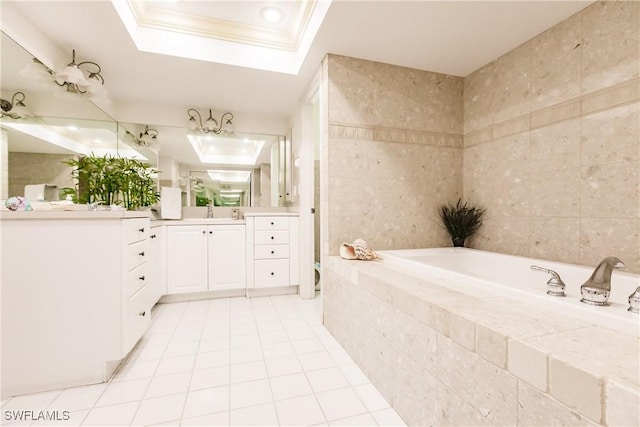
<point x="601" y="277"/>
<point x="596" y="289"/>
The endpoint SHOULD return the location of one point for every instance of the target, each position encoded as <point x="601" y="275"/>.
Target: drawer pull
<point x="144" y="313"/>
<point x="273" y="252"/>
<point x="273" y="274"/>
<point x="141" y="277"/>
<point x="271" y="222"/>
<point x="272" y="237"/>
<point x="141" y="230"/>
<point x="141" y="253"/>
<point x="153" y="236"/>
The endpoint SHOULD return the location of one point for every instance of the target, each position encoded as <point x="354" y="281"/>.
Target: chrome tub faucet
<point x="209" y="211"/>
<point x="596" y="289"/>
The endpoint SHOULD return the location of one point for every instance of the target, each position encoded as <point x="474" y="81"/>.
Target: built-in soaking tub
<point x="507" y="275"/>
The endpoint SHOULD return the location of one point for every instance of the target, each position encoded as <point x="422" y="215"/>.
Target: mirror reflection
<point x="221" y="188"/>
<point x="241" y="169"/>
<point x="39" y="148"/>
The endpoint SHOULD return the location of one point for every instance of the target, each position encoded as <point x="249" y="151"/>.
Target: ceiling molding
<point x="153" y="17"/>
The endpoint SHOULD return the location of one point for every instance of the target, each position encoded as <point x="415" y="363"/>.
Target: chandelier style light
<point x="224" y="126"/>
<point x="82" y="78"/>
<point x="147" y="138"/>
<point x="16" y="108"/>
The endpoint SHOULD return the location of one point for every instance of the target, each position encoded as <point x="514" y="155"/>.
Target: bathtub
<point x="491" y="274"/>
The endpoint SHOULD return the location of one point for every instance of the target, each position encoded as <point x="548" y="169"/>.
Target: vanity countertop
<point x="270" y="213"/>
<point x="201" y="221"/>
<point x="6" y="215"/>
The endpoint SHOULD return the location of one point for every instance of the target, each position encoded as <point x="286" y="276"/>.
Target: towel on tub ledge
<point x="359" y="249"/>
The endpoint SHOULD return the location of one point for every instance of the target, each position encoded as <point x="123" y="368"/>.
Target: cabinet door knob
<point x="273" y="274"/>
<point x="141" y="253"/>
<point x="204" y="232"/>
<point x="153" y="236"/>
<point x="211" y="232"/>
<point x="141" y="230"/>
<point x="271" y="222"/>
<point x="273" y="252"/>
<point x="272" y="237"/>
<point x="144" y="313"/>
<point x="141" y="277"/>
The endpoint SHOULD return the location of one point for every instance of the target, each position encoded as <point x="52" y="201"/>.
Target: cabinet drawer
<point x="136" y="254"/>
<point x="136" y="230"/>
<point x="137" y="317"/>
<point x="275" y="237"/>
<point x="271" y="273"/>
<point x="136" y="279"/>
<point x="271" y="251"/>
<point x="272" y="223"/>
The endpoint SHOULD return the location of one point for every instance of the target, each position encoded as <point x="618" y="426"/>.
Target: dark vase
<point x="458" y="242"/>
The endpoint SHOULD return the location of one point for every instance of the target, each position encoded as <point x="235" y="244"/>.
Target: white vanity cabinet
<point x="75" y="296"/>
<point x="138" y="290"/>
<point x="205" y="258"/>
<point x="272" y="254"/>
<point x="156" y="271"/>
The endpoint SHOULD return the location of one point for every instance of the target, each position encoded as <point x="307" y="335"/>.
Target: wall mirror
<point x="257" y="167"/>
<point x="241" y="170"/>
<point x="62" y="126"/>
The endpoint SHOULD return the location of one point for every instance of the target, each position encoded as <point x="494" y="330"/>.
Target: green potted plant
<point x="114" y="180"/>
<point x="461" y="220"/>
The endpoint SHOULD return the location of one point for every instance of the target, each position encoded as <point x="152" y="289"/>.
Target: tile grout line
<point x="146" y="390"/>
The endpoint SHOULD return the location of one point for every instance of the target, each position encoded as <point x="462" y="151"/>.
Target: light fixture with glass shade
<point x="16" y="108"/>
<point x="76" y="79"/>
<point x="147" y="138"/>
<point x="224" y="126"/>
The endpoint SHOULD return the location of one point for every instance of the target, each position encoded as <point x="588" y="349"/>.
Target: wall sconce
<point x="211" y="125"/>
<point x="16" y="108"/>
<point x="81" y="78"/>
<point x="147" y="138"/>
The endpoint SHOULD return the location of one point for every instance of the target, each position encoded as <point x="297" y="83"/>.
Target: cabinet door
<point x="226" y="257"/>
<point x="186" y="258"/>
<point x="155" y="272"/>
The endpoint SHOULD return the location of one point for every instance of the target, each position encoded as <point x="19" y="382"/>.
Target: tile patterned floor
<point x="232" y="361"/>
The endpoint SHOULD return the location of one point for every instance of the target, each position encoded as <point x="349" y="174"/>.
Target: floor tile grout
<point x="298" y="335"/>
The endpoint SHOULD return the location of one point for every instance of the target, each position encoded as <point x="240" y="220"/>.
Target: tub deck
<point x="445" y="357"/>
<point x="503" y="275"/>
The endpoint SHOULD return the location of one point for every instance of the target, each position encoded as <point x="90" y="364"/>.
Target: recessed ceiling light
<point x="271" y="14"/>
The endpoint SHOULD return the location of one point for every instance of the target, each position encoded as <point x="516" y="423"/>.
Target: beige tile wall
<point x="552" y="141"/>
<point x="38" y="168"/>
<point x="394" y="153"/>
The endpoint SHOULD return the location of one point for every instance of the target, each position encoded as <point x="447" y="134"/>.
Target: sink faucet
<point x="596" y="289"/>
<point x="209" y="211"/>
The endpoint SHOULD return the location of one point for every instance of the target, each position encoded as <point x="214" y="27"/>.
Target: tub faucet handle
<point x="555" y="285"/>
